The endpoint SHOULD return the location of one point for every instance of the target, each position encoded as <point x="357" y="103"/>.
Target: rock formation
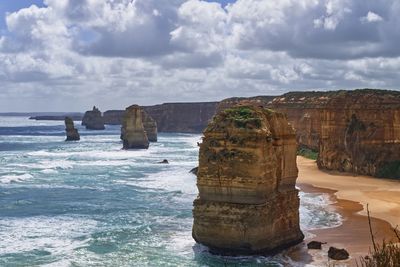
<point x="150" y="126"/>
<point x="354" y="131"/>
<point x="247" y="172"/>
<point x="71" y="132"/>
<point x="113" y="117"/>
<point x="182" y="117"/>
<point x="93" y="120"/>
<point x="132" y="131"/>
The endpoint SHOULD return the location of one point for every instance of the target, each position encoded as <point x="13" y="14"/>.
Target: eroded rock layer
<point x="93" y="120"/>
<point x="132" y="131"/>
<point x="247" y="172"/>
<point x="71" y="132"/>
<point x="354" y="131"/>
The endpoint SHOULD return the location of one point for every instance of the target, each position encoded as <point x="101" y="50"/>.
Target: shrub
<point x="389" y="170"/>
<point x="307" y="153"/>
<point x="386" y="254"/>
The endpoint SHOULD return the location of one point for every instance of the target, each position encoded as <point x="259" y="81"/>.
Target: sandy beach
<point x="352" y="194"/>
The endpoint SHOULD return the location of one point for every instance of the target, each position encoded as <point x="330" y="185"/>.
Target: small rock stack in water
<point x="93" y="120"/>
<point x="132" y="130"/>
<point x="72" y="133"/>
<point x="247" y="172"/>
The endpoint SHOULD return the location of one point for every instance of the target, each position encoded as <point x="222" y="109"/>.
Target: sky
<point x="68" y="55"/>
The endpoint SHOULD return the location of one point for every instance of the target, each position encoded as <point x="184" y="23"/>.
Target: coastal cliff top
<point x="359" y="98"/>
<point x="249" y="118"/>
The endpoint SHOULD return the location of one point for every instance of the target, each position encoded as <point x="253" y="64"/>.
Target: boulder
<point x="194" y="170"/>
<point x="247" y="202"/>
<point x="93" y="120"/>
<point x="71" y="132"/>
<point x="315" y="245"/>
<point x="338" y="254"/>
<point x="132" y="130"/>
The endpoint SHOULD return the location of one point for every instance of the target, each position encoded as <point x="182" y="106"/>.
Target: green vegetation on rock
<point x="307" y="153"/>
<point x="389" y="170"/>
<point x="243" y="117"/>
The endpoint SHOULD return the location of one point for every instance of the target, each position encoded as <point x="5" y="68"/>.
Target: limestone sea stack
<point x="247" y="203"/>
<point x="72" y="133"/>
<point x="150" y="126"/>
<point x="93" y="120"/>
<point x="132" y="131"/>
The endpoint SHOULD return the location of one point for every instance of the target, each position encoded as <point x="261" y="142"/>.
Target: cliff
<point x="71" y="132"/>
<point x="247" y="172"/>
<point x="182" y="117"/>
<point x="113" y="117"/>
<point x="354" y="131"/>
<point x="93" y="120"/>
<point x="132" y="130"/>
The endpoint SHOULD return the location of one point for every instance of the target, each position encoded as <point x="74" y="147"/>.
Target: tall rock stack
<point x="247" y="172"/>
<point x="132" y="131"/>
<point x="93" y="120"/>
<point x="71" y="132"/>
<point x="150" y="126"/>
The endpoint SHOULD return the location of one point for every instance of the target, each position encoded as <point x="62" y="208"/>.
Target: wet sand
<point x="351" y="194"/>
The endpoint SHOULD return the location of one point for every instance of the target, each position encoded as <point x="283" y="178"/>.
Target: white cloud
<point x="76" y="53"/>
<point x="371" y="17"/>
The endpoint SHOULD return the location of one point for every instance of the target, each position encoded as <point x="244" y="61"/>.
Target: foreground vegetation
<point x="386" y="254"/>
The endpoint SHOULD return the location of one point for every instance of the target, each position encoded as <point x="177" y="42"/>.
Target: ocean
<point x="90" y="203"/>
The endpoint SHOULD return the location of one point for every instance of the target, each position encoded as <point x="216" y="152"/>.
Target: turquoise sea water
<point x="89" y="203"/>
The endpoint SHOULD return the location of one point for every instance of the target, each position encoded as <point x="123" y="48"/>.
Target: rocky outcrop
<point x="93" y="120"/>
<point x="132" y="130"/>
<point x="182" y="117"/>
<point x="150" y="126"/>
<point x="353" y="131"/>
<point x="71" y="132"/>
<point x="247" y="172"/>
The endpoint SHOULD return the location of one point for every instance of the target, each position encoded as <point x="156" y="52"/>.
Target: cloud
<point x="371" y="17"/>
<point x="117" y="52"/>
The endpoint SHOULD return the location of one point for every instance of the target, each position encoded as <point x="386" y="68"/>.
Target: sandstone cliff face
<point x="132" y="130"/>
<point x="182" y="117"/>
<point x="93" y="120"/>
<point x="115" y="117"/>
<point x="360" y="133"/>
<point x="247" y="171"/>
<point x="150" y="126"/>
<point x="353" y="131"/>
<point x="71" y="132"/>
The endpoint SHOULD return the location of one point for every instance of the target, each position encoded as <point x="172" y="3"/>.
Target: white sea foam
<point x="7" y="179"/>
<point x="57" y="235"/>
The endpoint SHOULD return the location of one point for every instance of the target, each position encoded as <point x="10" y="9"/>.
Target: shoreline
<point x="351" y="195"/>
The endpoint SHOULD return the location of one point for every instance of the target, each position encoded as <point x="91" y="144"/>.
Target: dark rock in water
<point x="315" y="245"/>
<point x="164" y="162"/>
<point x="338" y="254"/>
<point x="194" y="170"/>
<point x="72" y="133"/>
<point x="132" y="130"/>
<point x="93" y="120"/>
<point x="248" y="202"/>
